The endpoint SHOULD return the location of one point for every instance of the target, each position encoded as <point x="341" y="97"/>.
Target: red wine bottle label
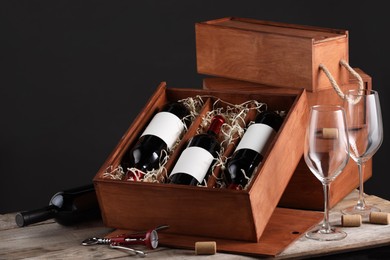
<point x="194" y="161"/>
<point x="166" y="126"/>
<point x="257" y="137"/>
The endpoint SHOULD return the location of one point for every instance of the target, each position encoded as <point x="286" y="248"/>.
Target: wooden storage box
<point x="304" y="190"/>
<point x="200" y="211"/>
<point x="275" y="54"/>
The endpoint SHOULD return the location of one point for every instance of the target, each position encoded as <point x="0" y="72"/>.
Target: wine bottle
<point x="194" y="163"/>
<point x="250" y="150"/>
<point x="160" y="135"/>
<point x="66" y="207"/>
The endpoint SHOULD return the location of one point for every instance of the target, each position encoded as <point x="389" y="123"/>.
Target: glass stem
<point x="326" y="225"/>
<point x="361" y="204"/>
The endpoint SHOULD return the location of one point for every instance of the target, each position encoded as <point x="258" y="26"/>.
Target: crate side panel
<point x="279" y="163"/>
<point x="305" y="191"/>
<point x="271" y="59"/>
<point x="187" y="210"/>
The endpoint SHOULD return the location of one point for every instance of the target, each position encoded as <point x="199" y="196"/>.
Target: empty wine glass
<point x="364" y="121"/>
<point x="326" y="154"/>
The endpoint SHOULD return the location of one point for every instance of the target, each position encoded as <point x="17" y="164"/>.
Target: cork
<point x="205" y="248"/>
<point x="351" y="220"/>
<point x="380" y="218"/>
<point x="330" y="133"/>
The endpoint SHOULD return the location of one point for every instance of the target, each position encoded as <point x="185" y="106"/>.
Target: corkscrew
<point x="148" y="238"/>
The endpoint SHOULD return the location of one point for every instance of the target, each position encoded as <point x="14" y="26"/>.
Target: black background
<point x="74" y="74"/>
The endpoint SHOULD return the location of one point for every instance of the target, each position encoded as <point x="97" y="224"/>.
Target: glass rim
<point x="327" y="108"/>
<point x="363" y="92"/>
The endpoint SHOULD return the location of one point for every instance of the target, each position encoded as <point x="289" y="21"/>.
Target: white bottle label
<point x="257" y="137"/>
<point x="166" y="126"/>
<point x="194" y="161"/>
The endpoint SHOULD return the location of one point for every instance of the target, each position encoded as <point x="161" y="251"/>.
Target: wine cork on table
<point x="330" y="133"/>
<point x="380" y="218"/>
<point x="351" y="220"/>
<point x="206" y="248"/>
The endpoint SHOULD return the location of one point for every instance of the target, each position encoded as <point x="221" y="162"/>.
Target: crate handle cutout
<point x="333" y="81"/>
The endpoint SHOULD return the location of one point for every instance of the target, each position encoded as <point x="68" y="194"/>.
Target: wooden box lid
<point x="271" y="53"/>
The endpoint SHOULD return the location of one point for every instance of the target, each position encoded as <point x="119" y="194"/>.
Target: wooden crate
<point x="304" y="191"/>
<point x="275" y="54"/>
<point x="200" y="211"/>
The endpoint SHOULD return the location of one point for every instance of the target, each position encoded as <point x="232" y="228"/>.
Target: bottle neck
<point x="215" y="125"/>
<point x="269" y="118"/>
<point x="177" y="108"/>
<point x="34" y="216"/>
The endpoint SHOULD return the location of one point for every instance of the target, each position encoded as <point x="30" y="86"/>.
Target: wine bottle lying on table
<point x="67" y="207"/>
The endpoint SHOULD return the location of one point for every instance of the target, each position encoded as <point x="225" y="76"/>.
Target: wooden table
<point x="49" y="240"/>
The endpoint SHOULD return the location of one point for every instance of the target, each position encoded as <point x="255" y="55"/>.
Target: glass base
<point x="323" y="234"/>
<point x="363" y="211"/>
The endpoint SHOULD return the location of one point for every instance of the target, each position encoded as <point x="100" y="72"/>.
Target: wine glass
<point x="326" y="153"/>
<point x="364" y="121"/>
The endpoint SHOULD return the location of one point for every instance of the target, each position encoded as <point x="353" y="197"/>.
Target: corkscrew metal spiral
<point x="96" y="241"/>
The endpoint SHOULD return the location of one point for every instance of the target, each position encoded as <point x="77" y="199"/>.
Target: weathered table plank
<point x="49" y="240"/>
<point x="358" y="238"/>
